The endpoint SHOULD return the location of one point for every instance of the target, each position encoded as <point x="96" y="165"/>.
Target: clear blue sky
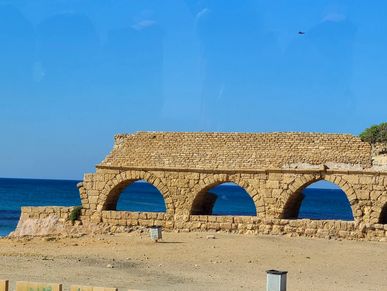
<point x="74" y="73"/>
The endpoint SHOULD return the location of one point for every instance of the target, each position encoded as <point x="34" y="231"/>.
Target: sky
<point x="75" y="72"/>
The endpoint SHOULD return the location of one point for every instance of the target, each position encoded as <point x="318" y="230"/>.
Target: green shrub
<point x="370" y="134"/>
<point x="375" y="133"/>
<point x="383" y="132"/>
<point x="75" y="213"/>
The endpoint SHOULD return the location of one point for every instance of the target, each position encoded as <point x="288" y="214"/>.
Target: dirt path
<point x="190" y="261"/>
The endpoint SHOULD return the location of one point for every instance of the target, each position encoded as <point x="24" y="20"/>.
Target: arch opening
<point x="224" y="199"/>
<point x="383" y="215"/>
<point x="135" y="195"/>
<point x="321" y="200"/>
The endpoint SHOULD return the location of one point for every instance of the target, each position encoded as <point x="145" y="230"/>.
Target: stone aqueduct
<point x="272" y="167"/>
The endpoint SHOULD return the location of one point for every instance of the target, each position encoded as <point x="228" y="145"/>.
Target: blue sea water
<point x="15" y="193"/>
<point x="141" y="196"/>
<point x="325" y="204"/>
<point x="232" y="200"/>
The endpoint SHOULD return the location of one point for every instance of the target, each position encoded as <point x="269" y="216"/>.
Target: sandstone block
<point x="226" y="226"/>
<point x="272" y="184"/>
<point x="213" y="226"/>
<point x="4" y="284"/>
<point x="34" y="286"/>
<point x="90" y="288"/>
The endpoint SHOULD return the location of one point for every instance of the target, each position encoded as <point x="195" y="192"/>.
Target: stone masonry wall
<point x="270" y="190"/>
<point x="42" y="220"/>
<point x="379" y="156"/>
<point x="53" y="220"/>
<point x="62" y="213"/>
<point x="184" y="166"/>
<point x="249" y="225"/>
<point x="235" y="151"/>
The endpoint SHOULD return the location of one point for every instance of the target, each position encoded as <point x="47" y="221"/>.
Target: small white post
<point x="155" y="233"/>
<point x="276" y="280"/>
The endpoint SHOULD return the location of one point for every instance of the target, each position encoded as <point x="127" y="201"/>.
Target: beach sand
<point x="191" y="261"/>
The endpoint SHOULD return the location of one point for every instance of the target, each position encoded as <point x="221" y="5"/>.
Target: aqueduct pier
<point x="273" y="168"/>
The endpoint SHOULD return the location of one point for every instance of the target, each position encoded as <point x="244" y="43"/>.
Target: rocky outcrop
<point x="379" y="156"/>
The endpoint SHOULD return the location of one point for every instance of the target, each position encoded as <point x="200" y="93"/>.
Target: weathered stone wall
<point x="379" y="156"/>
<point x="249" y="225"/>
<point x="61" y="212"/>
<point x="54" y="220"/>
<point x="235" y="151"/>
<point x="184" y="166"/>
<point x="273" y="168"/>
<point x="379" y="148"/>
<point x="270" y="190"/>
<point x="42" y="220"/>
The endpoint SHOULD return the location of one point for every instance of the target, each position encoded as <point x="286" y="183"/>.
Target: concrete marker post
<point x="276" y="280"/>
<point x="155" y="233"/>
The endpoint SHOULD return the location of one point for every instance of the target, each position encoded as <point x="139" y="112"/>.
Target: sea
<point x="318" y="203"/>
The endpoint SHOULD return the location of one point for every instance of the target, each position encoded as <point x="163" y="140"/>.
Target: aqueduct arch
<point x="383" y="214"/>
<point x="272" y="167"/>
<point x="292" y="199"/>
<point x="203" y="186"/>
<point x="113" y="188"/>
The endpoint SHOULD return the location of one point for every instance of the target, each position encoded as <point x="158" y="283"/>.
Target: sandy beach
<point x="191" y="261"/>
